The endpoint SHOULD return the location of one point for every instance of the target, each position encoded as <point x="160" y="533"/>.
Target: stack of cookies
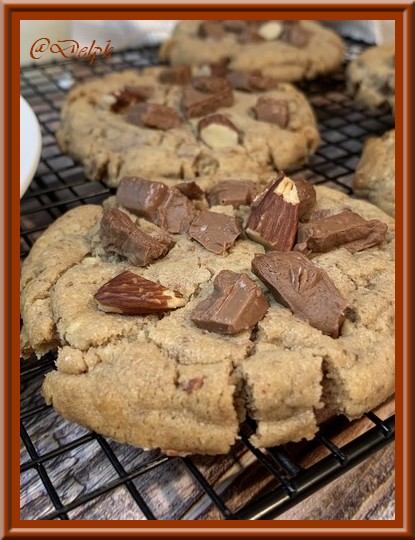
<point x="212" y="286"/>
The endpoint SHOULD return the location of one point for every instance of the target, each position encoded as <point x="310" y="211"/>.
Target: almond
<point x="270" y="30"/>
<point x="217" y="131"/>
<point x="274" y="222"/>
<point x="131" y="294"/>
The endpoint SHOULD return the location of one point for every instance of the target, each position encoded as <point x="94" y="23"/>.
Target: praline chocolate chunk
<point x="307" y="196"/>
<point x="141" y="197"/>
<point x="236" y="304"/>
<point x="131" y="294"/>
<point x="176" y="75"/>
<point x="216" y="232"/>
<point x="273" y="111"/>
<point x="175" y="213"/>
<point x="274" y="221"/>
<point x="131" y="95"/>
<point x="217" y="131"/>
<point x="346" y="229"/>
<point x="120" y="235"/>
<point x="295" y="34"/>
<point x="233" y="192"/>
<point x="303" y="287"/>
<point x="153" y="116"/>
<point x="191" y="190"/>
<point x="236" y="27"/>
<point x="206" y="95"/>
<point x="212" y="29"/>
<point x="251" y="81"/>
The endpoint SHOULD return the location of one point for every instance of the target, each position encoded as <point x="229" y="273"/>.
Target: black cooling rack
<point x="68" y="472"/>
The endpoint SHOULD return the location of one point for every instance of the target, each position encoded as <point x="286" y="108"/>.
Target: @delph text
<point x="69" y="48"/>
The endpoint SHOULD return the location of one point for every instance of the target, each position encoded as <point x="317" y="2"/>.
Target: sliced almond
<point x="270" y="30"/>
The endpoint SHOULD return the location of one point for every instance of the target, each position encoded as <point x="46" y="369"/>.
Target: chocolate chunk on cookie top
<point x="141" y="197"/>
<point x="273" y="111"/>
<point x="153" y="116"/>
<point x="175" y="213"/>
<point x="131" y="294"/>
<point x="303" y="287"/>
<point x="216" y="232"/>
<point x="307" y="196"/>
<point x="131" y="95"/>
<point x="346" y="229"/>
<point x="251" y="81"/>
<point x="120" y="235"/>
<point x="206" y="95"/>
<point x="233" y="192"/>
<point x="236" y="304"/>
<point x="176" y="75"/>
<point x="274" y="221"/>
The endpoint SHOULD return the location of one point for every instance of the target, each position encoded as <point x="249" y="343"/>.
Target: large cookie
<point x="287" y="50"/>
<point x="371" y="77"/>
<point x="374" y="178"/>
<point x="165" y="380"/>
<point x="110" y="126"/>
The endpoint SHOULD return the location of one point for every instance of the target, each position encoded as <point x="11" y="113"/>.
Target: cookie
<point x="286" y="50"/>
<point x="214" y="339"/>
<point x="370" y="77"/>
<point x="127" y="124"/>
<point x="374" y="178"/>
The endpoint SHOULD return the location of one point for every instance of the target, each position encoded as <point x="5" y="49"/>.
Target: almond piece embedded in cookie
<point x="273" y="111"/>
<point x="236" y="303"/>
<point x="153" y="116"/>
<point x="131" y="294"/>
<point x="216" y="232"/>
<point x="274" y="222"/>
<point x="345" y="229"/>
<point x="217" y="131"/>
<point x="270" y="30"/>
<point x="305" y="288"/>
<point x="120" y="235"/>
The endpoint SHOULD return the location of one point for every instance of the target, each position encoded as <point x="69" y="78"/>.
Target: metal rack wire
<point x="129" y="476"/>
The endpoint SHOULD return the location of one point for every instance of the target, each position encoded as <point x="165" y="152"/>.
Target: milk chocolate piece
<point x="307" y="196"/>
<point x="346" y="229"/>
<point x="131" y="95"/>
<point x="130" y="294"/>
<point x="153" y="116"/>
<point x="295" y="34"/>
<point x="274" y="222"/>
<point x="273" y="111"/>
<point x="191" y="190"/>
<point x="206" y="95"/>
<point x="251" y="81"/>
<point x="141" y="197"/>
<point x="233" y="192"/>
<point x="250" y="35"/>
<point x="217" y="131"/>
<point x="236" y="27"/>
<point x="236" y="303"/>
<point x="212" y="29"/>
<point x="176" y="75"/>
<point x="216" y="232"/>
<point x="175" y="213"/>
<point x="120" y="235"/>
<point x="303" y="287"/>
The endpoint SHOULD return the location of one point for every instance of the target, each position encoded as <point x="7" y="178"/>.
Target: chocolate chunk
<point x="131" y="95"/>
<point x="273" y="111"/>
<point x="236" y="303"/>
<point x="212" y="29"/>
<point x="216" y="232"/>
<point x="176" y="75"/>
<point x="251" y="81"/>
<point x="307" y="196"/>
<point x="233" y="192"/>
<point x="141" y="197"/>
<point x="219" y="69"/>
<point x="236" y="27"/>
<point x="217" y="131"/>
<point x="347" y="229"/>
<point x="206" y="95"/>
<point x="191" y="190"/>
<point x="303" y="287"/>
<point x="175" y="213"/>
<point x="153" y="116"/>
<point x="192" y="384"/>
<point x="295" y="34"/>
<point x="120" y="235"/>
<point x="274" y="221"/>
<point x="250" y="35"/>
<point x="130" y="294"/>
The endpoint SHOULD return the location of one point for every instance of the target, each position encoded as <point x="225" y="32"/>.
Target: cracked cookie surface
<point x="109" y="147"/>
<point x="160" y="381"/>
<point x="319" y="53"/>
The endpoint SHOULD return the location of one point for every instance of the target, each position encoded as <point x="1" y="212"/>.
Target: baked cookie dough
<point x="130" y="124"/>
<point x="370" y="77"/>
<point x="374" y="178"/>
<point x="179" y="380"/>
<point x="287" y="50"/>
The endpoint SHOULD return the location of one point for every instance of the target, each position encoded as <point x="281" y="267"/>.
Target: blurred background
<point x="129" y="34"/>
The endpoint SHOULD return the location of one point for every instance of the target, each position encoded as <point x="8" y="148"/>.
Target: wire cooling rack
<point x="70" y="473"/>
